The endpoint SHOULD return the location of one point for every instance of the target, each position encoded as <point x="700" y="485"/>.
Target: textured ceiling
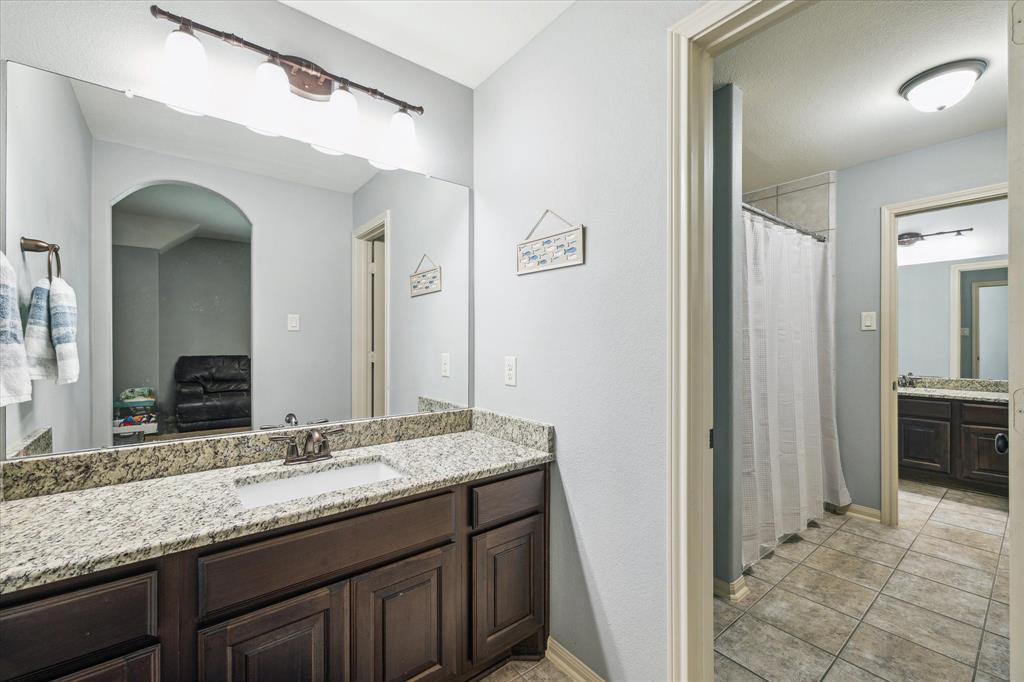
<point x="820" y="87"/>
<point x="990" y="237"/>
<point x="465" y="40"/>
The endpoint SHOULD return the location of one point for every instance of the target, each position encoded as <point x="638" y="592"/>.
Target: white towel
<point x="42" y="358"/>
<point x="64" y="329"/>
<point x="15" y="385"/>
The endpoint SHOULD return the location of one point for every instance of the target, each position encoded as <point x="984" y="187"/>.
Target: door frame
<point x="373" y="229"/>
<point x="888" y="400"/>
<point x="954" y="307"/>
<point x="693" y="42"/>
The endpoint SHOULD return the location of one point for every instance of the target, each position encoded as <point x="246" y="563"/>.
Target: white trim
<point x="954" y="307"/>
<point x="378" y="226"/>
<point x="564" y="660"/>
<point x="869" y="513"/>
<point x="735" y="591"/>
<point x="889" y="331"/>
<point x="693" y="42"/>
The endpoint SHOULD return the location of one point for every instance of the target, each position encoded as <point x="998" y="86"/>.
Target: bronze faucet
<point x="314" y="448"/>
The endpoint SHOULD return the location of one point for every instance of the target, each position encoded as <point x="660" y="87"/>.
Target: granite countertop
<point x="53" y="537"/>
<point x="955" y="394"/>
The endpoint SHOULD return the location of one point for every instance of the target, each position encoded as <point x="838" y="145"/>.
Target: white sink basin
<point x="272" y="491"/>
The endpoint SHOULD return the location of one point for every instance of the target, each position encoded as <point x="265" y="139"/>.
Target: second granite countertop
<point x="954" y="394"/>
<point x="54" y="537"/>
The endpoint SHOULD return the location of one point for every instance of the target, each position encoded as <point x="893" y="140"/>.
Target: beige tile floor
<point x="853" y="600"/>
<point x="528" y="671"/>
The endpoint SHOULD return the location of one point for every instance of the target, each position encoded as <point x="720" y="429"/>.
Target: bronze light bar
<point x="306" y="78"/>
<point x="910" y="238"/>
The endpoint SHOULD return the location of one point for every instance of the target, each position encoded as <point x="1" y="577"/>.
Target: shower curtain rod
<point x="780" y="221"/>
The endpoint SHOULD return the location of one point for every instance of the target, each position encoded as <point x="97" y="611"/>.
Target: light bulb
<point x="337" y="122"/>
<point x="268" y="108"/>
<point x="186" y="81"/>
<point x="943" y="86"/>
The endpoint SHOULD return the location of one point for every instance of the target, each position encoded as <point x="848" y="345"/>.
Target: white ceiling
<point x="146" y="124"/>
<point x="820" y="87"/>
<point x="162" y="216"/>
<point x="989" y="238"/>
<point x="465" y="40"/>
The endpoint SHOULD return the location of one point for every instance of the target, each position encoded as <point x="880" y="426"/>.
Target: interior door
<point x="378" y="317"/>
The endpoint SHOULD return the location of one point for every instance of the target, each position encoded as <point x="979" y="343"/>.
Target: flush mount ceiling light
<point x="185" y="82"/>
<point x="942" y="86"/>
<point x="911" y="238"/>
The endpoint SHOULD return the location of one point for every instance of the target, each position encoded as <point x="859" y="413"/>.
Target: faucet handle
<point x="291" y="453"/>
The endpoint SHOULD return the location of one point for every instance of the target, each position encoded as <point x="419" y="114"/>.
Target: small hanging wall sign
<point x="425" y="281"/>
<point x="558" y="250"/>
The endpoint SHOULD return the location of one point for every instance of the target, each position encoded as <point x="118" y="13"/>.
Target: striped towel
<point x="63" y="329"/>
<point x="42" y="358"/>
<point x="15" y="385"/>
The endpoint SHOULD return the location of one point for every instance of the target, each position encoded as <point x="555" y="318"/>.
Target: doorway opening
<point x="370" y="326"/>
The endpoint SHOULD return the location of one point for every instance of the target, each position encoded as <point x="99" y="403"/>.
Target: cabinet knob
<point x="1002" y="444"/>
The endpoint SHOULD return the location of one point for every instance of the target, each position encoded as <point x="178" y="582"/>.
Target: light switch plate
<point x="293" y="322"/>
<point x="510" y="370"/>
<point x="869" y="321"/>
<point x="446" y="364"/>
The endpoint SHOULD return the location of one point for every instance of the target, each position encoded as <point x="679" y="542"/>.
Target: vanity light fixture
<point x="183" y="54"/>
<point x="940" y="87"/>
<point x="911" y="238"/>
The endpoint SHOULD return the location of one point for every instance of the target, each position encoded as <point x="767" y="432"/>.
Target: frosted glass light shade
<point x="400" y="147"/>
<point x="403" y="131"/>
<point x="940" y="88"/>
<point x="269" y="100"/>
<point x="338" y="123"/>
<point x="186" y="79"/>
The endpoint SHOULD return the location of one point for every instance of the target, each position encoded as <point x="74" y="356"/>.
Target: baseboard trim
<point x="734" y="591"/>
<point x="564" y="660"/>
<point x="864" y="512"/>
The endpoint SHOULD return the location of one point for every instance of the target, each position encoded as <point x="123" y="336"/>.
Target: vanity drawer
<point x="507" y="499"/>
<point x="263" y="568"/>
<point x="52" y="631"/>
<point x="929" y="409"/>
<point x="985" y="414"/>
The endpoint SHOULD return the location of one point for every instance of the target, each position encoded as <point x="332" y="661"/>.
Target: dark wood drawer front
<point x="508" y="585"/>
<point x="980" y="456"/>
<point x="141" y="666"/>
<point x="263" y="568"/>
<point x="504" y="500"/>
<point x="985" y="415"/>
<point x="929" y="409"/>
<point x="924" y="444"/>
<point x="59" y="629"/>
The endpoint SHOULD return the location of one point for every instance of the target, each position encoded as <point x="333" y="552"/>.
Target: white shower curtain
<point x="786" y="416"/>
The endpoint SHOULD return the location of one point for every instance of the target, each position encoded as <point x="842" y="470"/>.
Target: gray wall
<point x="924" y="317"/>
<point x="575" y="122"/>
<point x="119" y="44"/>
<point x="205" y="307"/>
<point x="432" y="217"/>
<point x="48" y="198"/>
<point x="306" y="372"/>
<point x="862" y="190"/>
<point x="136" y="321"/>
<point x="727" y="254"/>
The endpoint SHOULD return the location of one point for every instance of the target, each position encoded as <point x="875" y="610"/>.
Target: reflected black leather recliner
<point x="212" y="392"/>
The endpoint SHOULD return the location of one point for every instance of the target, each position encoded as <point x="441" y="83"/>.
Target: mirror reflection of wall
<point x="952" y="292"/>
<point x="193" y="245"/>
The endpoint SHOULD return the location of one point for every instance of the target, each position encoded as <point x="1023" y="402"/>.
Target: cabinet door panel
<point x="924" y="444"/>
<point x="980" y="460"/>
<point x="404" y="619"/>
<point x="508" y="585"/>
<point x="299" y="640"/>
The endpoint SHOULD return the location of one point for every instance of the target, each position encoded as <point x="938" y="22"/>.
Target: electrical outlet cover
<point x="510" y="370"/>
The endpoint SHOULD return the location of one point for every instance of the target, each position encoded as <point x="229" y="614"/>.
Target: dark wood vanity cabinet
<point x="954" y="442"/>
<point x="440" y="586"/>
